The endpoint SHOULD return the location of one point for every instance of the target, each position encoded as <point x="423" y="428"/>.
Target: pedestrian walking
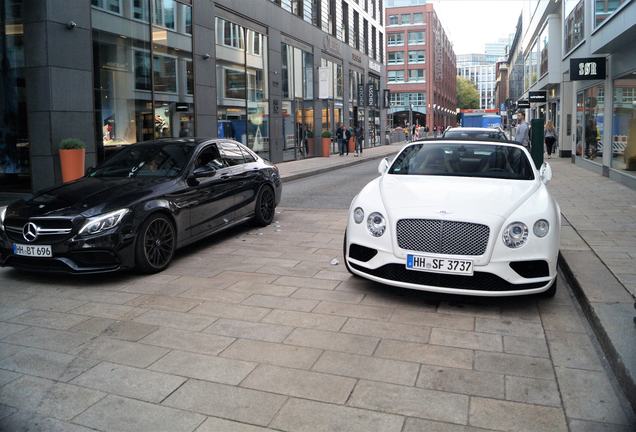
<point x="340" y="139"/>
<point x="347" y="139"/>
<point x="426" y="130"/>
<point x="434" y="131"/>
<point x="550" y="138"/>
<point x="522" y="135"/>
<point x="359" y="140"/>
<point x="413" y="129"/>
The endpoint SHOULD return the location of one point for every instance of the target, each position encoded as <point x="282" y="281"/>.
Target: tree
<point x="467" y="94"/>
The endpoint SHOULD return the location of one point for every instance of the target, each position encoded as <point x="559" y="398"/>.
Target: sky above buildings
<point x="470" y="24"/>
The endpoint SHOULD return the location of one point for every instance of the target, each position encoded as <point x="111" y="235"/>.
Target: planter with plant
<point x="72" y="155"/>
<point x="310" y="143"/>
<point x="326" y="143"/>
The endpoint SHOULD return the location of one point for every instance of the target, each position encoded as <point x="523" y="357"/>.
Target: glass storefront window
<point x="543" y="55"/>
<point x="136" y="98"/>
<point x="624" y="124"/>
<point x="573" y="26"/>
<point x="15" y="165"/>
<point x="603" y="9"/>
<point x="242" y="94"/>
<point x="590" y="122"/>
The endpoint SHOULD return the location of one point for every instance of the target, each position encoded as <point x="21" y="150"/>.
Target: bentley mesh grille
<point x="442" y="236"/>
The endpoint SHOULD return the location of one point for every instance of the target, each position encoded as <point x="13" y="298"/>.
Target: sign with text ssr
<point x="588" y="68"/>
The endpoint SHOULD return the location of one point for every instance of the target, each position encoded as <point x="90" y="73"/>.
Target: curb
<point x="614" y="357"/>
<point x="333" y="167"/>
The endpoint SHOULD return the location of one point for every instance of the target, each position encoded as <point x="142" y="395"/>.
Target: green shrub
<point x="326" y="134"/>
<point x="72" y="144"/>
<point x="310" y="133"/>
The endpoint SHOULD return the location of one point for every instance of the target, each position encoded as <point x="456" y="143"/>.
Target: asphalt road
<point x="331" y="190"/>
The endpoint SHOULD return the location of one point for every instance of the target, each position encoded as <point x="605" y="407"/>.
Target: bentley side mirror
<point x="546" y="173"/>
<point x="384" y="166"/>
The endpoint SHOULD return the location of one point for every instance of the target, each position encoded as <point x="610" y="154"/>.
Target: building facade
<point x="566" y="46"/>
<point x="272" y="74"/>
<point x="420" y="66"/>
<point x="480" y="70"/>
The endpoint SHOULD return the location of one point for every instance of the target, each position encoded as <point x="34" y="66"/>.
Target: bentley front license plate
<point x="32" y="250"/>
<point x="439" y="265"/>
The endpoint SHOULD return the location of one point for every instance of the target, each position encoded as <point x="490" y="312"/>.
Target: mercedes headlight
<point x="3" y="212"/>
<point x="358" y="215"/>
<point x="376" y="224"/>
<point x="541" y="228"/>
<point x="515" y="235"/>
<point x="104" y="222"/>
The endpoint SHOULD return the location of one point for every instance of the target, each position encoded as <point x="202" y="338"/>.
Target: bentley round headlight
<point x="376" y="224"/>
<point x="515" y="235"/>
<point x="541" y="228"/>
<point x="358" y="215"/>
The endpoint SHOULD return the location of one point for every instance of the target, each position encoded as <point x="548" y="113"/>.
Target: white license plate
<point x="32" y="250"/>
<point x="439" y="265"/>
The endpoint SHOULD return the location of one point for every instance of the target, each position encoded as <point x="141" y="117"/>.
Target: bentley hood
<point x="457" y="197"/>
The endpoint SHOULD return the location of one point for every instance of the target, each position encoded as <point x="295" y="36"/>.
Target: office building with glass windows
<point x="420" y="66"/>
<point x="272" y="74"/>
<point x="581" y="54"/>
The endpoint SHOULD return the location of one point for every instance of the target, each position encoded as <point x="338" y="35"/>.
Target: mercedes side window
<point x="231" y="154"/>
<point x="249" y="157"/>
<point x="210" y="157"/>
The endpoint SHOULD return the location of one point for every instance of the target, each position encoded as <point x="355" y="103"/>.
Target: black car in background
<point x="138" y="207"/>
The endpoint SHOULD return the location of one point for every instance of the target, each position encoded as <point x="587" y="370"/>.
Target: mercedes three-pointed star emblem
<point x="30" y="231"/>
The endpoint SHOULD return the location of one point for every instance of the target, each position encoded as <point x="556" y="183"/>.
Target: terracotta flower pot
<point x="326" y="147"/>
<point x="72" y="163"/>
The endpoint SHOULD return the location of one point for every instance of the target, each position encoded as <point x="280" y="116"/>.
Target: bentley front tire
<point x="155" y="244"/>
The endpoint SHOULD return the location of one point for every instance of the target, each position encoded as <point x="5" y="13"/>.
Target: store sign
<point x="387" y="99"/>
<point x="538" y="96"/>
<point x="523" y="104"/>
<point x="182" y="108"/>
<point x="375" y="66"/>
<point x="362" y="100"/>
<point x="372" y="95"/>
<point x="588" y="68"/>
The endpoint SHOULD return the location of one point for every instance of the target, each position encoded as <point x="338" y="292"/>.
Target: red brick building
<point x="421" y="66"/>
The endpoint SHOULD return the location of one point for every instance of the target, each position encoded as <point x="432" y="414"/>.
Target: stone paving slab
<point x="291" y="345"/>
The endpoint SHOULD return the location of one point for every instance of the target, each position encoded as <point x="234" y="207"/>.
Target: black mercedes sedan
<point x="139" y="206"/>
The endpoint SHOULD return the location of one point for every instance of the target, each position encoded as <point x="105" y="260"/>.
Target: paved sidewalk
<point x="598" y="251"/>
<point x="256" y="330"/>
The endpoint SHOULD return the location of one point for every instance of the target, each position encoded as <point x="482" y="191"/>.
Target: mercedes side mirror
<point x="384" y="166"/>
<point x="546" y="173"/>
<point x="204" y="171"/>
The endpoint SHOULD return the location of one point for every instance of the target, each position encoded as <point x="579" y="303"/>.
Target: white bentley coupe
<point x="460" y="217"/>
